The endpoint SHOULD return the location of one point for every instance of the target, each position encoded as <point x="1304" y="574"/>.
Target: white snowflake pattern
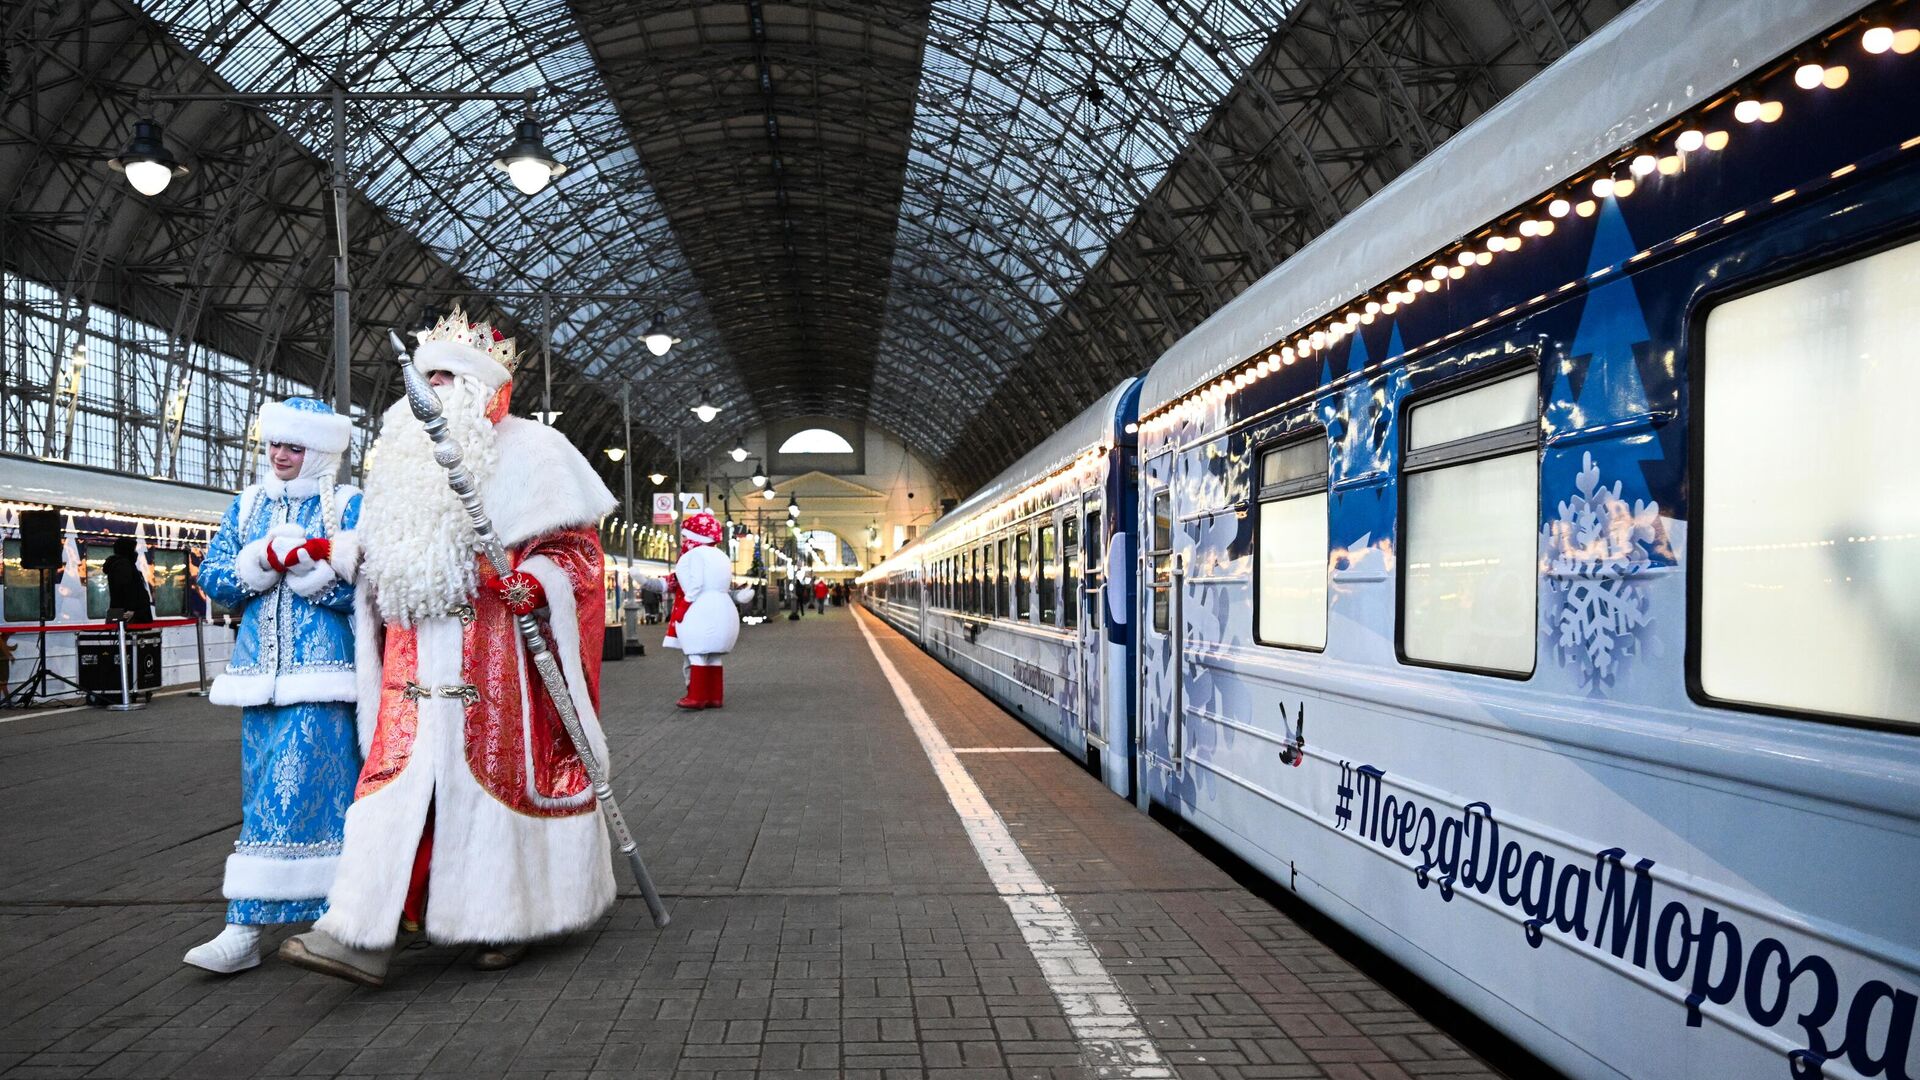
<point x="1593" y="552"/>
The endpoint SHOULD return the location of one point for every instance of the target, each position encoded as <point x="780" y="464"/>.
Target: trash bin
<point x="614" y="645"/>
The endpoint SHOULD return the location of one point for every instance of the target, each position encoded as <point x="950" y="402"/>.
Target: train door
<point x="1158" y="720"/>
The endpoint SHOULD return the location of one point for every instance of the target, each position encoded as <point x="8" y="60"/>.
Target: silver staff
<point x="426" y="406"/>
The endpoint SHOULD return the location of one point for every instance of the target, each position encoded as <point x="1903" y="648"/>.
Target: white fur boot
<point x="236" y="949"/>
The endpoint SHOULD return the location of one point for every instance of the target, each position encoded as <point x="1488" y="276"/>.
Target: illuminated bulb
<point x="1669" y="164"/>
<point x="1439" y="273"/>
<point x="1689" y="141"/>
<point x="1748" y="111"/>
<point x="1877" y="39"/>
<point x="1622" y="188"/>
<point x="1546" y="228"/>
<point x="1808" y="76"/>
<point x="1466" y="258"/>
<point x="1456" y="272"/>
<point x="1603" y="187"/>
<point x="1513" y="243"/>
<point x="1644" y="164"/>
<point x="1367" y="318"/>
<point x="1906" y="41"/>
<point x="1586" y="208"/>
<point x="1286" y="355"/>
<point x="1373" y="307"/>
<point x="1529" y="227"/>
<point x="1483" y="258"/>
<point x="1835" y="77"/>
<point x="1316" y="340"/>
<point x="1496" y="243"/>
<point x="1353" y="319"/>
<point x="1773" y="110"/>
<point x="1389" y="307"/>
<point x="1716" y="140"/>
<point x="1559" y="207"/>
<point x="1414" y="285"/>
<point x="148" y="177"/>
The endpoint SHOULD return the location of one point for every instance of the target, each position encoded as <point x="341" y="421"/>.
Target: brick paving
<point x="831" y="918"/>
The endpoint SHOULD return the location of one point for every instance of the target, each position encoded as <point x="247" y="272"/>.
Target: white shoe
<point x="236" y="949"/>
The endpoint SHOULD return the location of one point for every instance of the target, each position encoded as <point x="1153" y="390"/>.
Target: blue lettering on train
<point x="1695" y="945"/>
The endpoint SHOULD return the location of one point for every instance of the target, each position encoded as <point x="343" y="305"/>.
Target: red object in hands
<point x="319" y="548"/>
<point x="520" y="591"/>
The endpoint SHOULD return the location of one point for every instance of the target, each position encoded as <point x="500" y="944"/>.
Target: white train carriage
<point x="1533" y="566"/>
<point x="1011" y="590"/>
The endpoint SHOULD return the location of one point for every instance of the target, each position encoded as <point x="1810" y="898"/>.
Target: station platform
<point x="872" y="870"/>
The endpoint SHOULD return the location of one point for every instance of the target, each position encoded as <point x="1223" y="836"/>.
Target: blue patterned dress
<point x="292" y="674"/>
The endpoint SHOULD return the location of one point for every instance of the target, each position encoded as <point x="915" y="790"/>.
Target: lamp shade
<point x="148" y="164"/>
<point x="527" y="162"/>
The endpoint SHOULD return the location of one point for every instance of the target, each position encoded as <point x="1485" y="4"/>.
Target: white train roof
<point x="1091" y="428"/>
<point x="1649" y="64"/>
<point x="80" y="487"/>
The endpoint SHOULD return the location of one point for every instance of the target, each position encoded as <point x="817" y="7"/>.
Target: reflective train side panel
<point x="1559" y="633"/>
<point x="1012" y="589"/>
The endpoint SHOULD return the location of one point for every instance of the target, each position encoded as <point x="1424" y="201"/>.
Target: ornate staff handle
<point x="426" y="407"/>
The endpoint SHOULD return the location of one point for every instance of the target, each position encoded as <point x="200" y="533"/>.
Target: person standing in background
<point x="126" y="586"/>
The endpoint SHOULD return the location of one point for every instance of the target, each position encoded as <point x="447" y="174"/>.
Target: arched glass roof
<point x="962" y="220"/>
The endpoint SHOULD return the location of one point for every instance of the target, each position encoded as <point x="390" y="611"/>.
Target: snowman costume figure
<point x="707" y="627"/>
<point x="285" y="558"/>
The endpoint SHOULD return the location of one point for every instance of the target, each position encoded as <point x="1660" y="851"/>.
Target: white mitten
<point x="311" y="578"/>
<point x="250" y="566"/>
<point x="287" y="550"/>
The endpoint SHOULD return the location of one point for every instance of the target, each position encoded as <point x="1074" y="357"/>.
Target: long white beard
<point x="419" y="543"/>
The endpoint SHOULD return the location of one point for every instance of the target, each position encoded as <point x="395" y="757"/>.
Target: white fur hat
<point x="307" y="422"/>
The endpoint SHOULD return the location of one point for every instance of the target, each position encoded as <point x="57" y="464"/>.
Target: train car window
<point x="1070" y="569"/>
<point x="1048" y="571"/>
<point x="94" y="573"/>
<point x="1094" y="539"/>
<point x="1469" y="578"/>
<point x="1001" y="606"/>
<point x="1160" y="552"/>
<point x="979" y="579"/>
<point x="1023" y="575"/>
<point x="1290" y="595"/>
<point x="1808" y="532"/>
<point x="169" y="583"/>
<point x="21" y="586"/>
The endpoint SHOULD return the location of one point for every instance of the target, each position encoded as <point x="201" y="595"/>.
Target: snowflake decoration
<point x="1593" y="551"/>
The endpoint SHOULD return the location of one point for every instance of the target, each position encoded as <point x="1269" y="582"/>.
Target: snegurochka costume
<point x="284" y="558"/>
<point x="474" y="817"/>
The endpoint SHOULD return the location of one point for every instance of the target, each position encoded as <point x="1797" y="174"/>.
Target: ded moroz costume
<point x="707" y="623"/>
<point x="474" y="816"/>
<point x="284" y="559"/>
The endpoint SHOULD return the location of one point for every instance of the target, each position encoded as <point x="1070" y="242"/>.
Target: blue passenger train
<point x="1529" y="568"/>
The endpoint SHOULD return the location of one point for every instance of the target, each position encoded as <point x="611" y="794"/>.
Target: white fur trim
<point x="542" y="484"/>
<point x="344" y="555"/>
<point x="299" y="687"/>
<point x="368" y="646"/>
<point x="242" y="690"/>
<point x="250" y="566"/>
<point x="292" y="688"/>
<point x="328" y="433"/>
<point x="497" y="876"/>
<point x="256" y="877"/>
<point x="458" y="359"/>
<point x="563" y="624"/>
<point x="312" y="579"/>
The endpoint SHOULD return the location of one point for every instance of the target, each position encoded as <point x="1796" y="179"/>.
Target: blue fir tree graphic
<point x="1605" y="354"/>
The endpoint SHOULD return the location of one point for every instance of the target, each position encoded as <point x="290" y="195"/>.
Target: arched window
<point x="816" y="441"/>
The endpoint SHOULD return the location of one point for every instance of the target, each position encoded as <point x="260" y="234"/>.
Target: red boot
<point x="716" y="685"/>
<point x="696" y="689"/>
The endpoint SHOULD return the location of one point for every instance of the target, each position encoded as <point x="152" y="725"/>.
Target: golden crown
<point x="455" y="327"/>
